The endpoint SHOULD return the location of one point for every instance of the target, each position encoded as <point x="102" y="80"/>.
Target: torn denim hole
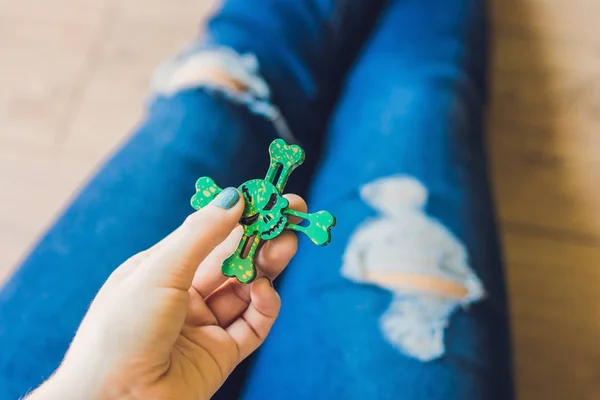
<point x="417" y="259"/>
<point x="197" y="67"/>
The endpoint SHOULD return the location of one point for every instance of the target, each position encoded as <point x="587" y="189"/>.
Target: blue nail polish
<point x="227" y="198"/>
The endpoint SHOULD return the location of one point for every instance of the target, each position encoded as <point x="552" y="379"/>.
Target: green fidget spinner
<point x="266" y="211"/>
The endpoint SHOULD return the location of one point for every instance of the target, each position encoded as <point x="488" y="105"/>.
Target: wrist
<point x="69" y="385"/>
<point x="56" y="387"/>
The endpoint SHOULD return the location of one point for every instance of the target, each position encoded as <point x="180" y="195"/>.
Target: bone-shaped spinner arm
<point x="319" y="225"/>
<point x="284" y="158"/>
<point x="206" y="191"/>
<point x="240" y="265"/>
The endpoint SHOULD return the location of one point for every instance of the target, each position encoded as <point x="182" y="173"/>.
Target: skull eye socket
<point x="249" y="220"/>
<point x="272" y="202"/>
<point x="246" y="193"/>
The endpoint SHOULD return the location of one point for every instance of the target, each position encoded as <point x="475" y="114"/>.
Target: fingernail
<point x="227" y="198"/>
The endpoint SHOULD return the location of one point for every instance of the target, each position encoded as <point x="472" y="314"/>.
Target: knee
<point x="417" y="259"/>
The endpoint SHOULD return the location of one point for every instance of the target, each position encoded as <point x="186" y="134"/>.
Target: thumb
<point x="177" y="257"/>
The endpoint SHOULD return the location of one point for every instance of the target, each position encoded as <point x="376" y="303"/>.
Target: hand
<point x="167" y="324"/>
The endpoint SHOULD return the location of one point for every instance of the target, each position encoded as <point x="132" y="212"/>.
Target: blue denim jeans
<point x="387" y="98"/>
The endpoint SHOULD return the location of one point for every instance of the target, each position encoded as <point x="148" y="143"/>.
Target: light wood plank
<point x="40" y="75"/>
<point x="544" y="143"/>
<point x="113" y="100"/>
<point x="555" y="305"/>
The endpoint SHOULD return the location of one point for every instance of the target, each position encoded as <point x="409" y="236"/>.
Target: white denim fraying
<point x="405" y="240"/>
<point x="188" y="71"/>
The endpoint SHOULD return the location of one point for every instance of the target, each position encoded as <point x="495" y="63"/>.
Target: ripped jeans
<point x="387" y="98"/>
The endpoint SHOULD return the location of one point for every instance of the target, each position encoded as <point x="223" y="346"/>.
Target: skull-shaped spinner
<point x="263" y="212"/>
<point x="266" y="210"/>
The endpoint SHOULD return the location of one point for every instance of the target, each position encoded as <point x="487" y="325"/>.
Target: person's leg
<point x="408" y="300"/>
<point x="305" y="48"/>
<point x="213" y="116"/>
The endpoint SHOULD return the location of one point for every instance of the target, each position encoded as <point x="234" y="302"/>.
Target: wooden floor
<point x="74" y="75"/>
